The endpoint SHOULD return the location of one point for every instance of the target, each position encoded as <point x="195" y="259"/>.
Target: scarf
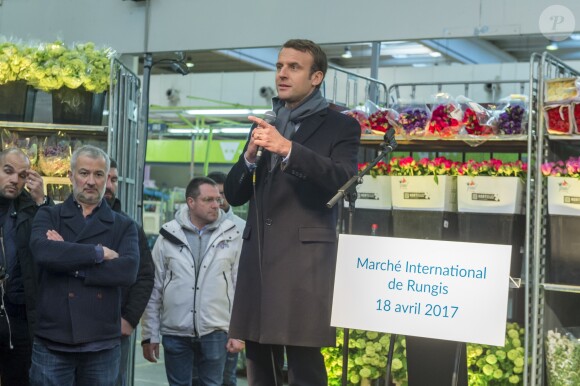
<point x="287" y="119"/>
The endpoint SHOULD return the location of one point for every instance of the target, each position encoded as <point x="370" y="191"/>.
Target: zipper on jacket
<point x="169" y="281"/>
<point x="227" y="291"/>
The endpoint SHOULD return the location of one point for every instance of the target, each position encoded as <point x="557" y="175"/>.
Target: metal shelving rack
<point x="542" y="67"/>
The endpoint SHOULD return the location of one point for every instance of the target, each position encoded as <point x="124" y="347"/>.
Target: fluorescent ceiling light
<point x="404" y="49"/>
<point x="400" y="56"/>
<point x="552" y="46"/>
<point x="435" y="54"/>
<point x="575" y="36"/>
<point x="189" y="65"/>
<point x="225" y="130"/>
<point x="215" y="112"/>
<point x="347" y="54"/>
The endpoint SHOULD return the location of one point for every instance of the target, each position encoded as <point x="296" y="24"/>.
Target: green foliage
<point x="52" y="66"/>
<point x="486" y="365"/>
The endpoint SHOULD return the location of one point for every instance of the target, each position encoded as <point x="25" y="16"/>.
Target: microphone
<point x="270" y="118"/>
<point x="389" y="143"/>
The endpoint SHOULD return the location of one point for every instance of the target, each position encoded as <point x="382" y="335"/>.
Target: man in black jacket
<point x="135" y="298"/>
<point x="18" y="277"/>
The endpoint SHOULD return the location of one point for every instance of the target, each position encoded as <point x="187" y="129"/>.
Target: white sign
<point x="433" y="289"/>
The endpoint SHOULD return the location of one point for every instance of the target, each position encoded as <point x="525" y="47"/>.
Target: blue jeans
<point x="208" y="352"/>
<point x="57" y="368"/>
<point x="231" y="369"/>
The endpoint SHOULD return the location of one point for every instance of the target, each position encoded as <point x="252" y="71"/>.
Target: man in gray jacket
<point x="196" y="261"/>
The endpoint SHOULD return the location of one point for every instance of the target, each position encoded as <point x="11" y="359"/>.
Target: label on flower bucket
<point x="503" y="195"/>
<point x="424" y="193"/>
<point x="426" y="288"/>
<point x="564" y="196"/>
<point x="374" y="193"/>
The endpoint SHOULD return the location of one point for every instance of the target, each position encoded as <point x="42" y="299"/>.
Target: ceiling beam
<point x="470" y="51"/>
<point x="262" y="57"/>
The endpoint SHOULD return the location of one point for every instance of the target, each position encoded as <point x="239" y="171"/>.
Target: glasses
<point x="209" y="200"/>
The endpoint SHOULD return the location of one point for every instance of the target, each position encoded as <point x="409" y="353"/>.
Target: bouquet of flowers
<point x="15" y="62"/>
<point x="576" y="117"/>
<point x="446" y="117"/>
<point x="362" y="119"/>
<point x="408" y="166"/>
<point x="493" y="167"/>
<point x="380" y="169"/>
<point x="568" y="168"/>
<point x="54" y="156"/>
<point x="512" y="117"/>
<point x="413" y="118"/>
<point x="563" y="357"/>
<point x="476" y="118"/>
<point x="384" y="119"/>
<point x="28" y="145"/>
<point x="558" y="119"/>
<point x="50" y="66"/>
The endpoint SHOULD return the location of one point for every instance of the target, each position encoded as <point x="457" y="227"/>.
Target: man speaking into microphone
<point x="285" y="280"/>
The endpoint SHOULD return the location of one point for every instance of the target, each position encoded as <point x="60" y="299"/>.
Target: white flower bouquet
<point x="563" y="357"/>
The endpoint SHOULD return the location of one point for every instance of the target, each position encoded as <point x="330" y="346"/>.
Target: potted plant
<point x="479" y="188"/>
<point x="425" y="184"/>
<point x="375" y="190"/>
<point x="16" y="96"/>
<point x="77" y="78"/>
<point x="564" y="210"/>
<point x="490" y="205"/>
<point x="486" y="365"/>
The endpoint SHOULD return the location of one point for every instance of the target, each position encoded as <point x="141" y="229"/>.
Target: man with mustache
<point x="86" y="253"/>
<point x="18" y="276"/>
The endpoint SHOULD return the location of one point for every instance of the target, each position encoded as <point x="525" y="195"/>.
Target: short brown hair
<point x="319" y="62"/>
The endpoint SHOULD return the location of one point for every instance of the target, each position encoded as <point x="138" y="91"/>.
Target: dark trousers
<point x="15" y="361"/>
<point x="265" y="363"/>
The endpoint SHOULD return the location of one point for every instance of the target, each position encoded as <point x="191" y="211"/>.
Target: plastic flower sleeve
<point x="28" y="145"/>
<point x="563" y="356"/>
<point x="476" y="118"/>
<point x="511" y="116"/>
<point x="362" y="119"/>
<point x="558" y="119"/>
<point x="54" y="156"/>
<point x="446" y="116"/>
<point x="413" y="117"/>
<point x="384" y="119"/>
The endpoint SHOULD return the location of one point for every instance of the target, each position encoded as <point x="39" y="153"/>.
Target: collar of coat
<point x="101" y="222"/>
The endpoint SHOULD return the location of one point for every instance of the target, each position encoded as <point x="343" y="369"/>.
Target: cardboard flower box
<point x="563" y="265"/>
<point x="563" y="196"/>
<point x="424" y="193"/>
<point x="486" y="194"/>
<point x="374" y="193"/>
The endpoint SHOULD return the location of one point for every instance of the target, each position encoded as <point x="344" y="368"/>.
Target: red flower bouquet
<point x="576" y="114"/>
<point x="558" y="119"/>
<point x="362" y="119"/>
<point x="382" y="120"/>
<point x="476" y="118"/>
<point x="446" y="117"/>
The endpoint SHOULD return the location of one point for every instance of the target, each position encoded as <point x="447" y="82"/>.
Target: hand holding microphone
<point x="269" y="118"/>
